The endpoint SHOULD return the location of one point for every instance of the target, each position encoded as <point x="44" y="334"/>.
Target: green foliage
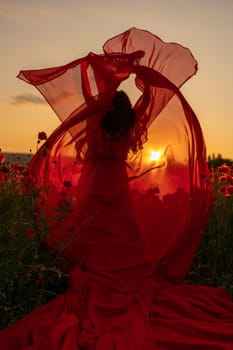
<point x="213" y="264"/>
<point x="29" y="275"/>
<point x="215" y="161"/>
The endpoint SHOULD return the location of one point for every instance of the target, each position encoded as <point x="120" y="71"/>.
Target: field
<point x="21" y="158"/>
<point x="30" y="275"/>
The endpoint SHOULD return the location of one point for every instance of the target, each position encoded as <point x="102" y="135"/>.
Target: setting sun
<point x="155" y="155"/>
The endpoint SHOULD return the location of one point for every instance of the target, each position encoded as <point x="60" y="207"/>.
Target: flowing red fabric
<point x="137" y="208"/>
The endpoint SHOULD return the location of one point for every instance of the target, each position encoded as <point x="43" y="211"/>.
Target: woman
<point x="135" y="222"/>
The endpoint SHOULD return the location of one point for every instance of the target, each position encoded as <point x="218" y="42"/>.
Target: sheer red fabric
<point x="138" y="208"/>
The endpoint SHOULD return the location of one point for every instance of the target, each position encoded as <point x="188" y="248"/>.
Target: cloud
<point x="28" y="98"/>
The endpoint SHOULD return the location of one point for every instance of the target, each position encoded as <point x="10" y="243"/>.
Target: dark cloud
<point x="28" y="98"/>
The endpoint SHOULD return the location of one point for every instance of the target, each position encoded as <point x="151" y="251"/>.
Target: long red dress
<point x="136" y="221"/>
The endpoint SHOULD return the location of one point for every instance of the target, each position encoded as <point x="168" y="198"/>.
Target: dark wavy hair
<point x="118" y="121"/>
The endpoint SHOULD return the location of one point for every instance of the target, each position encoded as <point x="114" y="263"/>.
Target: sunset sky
<point x="47" y="33"/>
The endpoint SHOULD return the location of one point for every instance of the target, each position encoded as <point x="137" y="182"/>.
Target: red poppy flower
<point x="5" y="169"/>
<point x="2" y="158"/>
<point x="224" y="169"/>
<point x="42" y="136"/>
<point x="223" y="178"/>
<point x="30" y="234"/>
<point x="229" y="189"/>
<point x="227" y="194"/>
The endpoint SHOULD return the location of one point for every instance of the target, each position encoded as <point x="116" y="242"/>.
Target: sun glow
<point x="155" y="155"/>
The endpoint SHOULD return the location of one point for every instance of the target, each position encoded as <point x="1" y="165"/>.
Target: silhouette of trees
<point x="215" y="161"/>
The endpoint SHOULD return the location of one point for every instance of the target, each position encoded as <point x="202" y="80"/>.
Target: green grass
<point x="30" y="275"/>
<point x="213" y="264"/>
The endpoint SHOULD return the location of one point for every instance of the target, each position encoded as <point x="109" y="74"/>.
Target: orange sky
<point x="48" y="33"/>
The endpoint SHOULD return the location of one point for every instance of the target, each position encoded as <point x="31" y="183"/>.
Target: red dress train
<point x="139" y="208"/>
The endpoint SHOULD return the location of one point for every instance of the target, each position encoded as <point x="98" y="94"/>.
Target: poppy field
<point x="31" y="275"/>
